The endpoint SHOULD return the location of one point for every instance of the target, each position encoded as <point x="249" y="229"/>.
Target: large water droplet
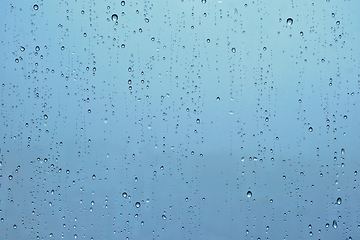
<point x="114" y="17"/>
<point x="289" y="21"/>
<point x="334" y="224"/>
<point x="249" y="194"/>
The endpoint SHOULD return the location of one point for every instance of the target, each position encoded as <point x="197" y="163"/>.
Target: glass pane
<point x="184" y="119"/>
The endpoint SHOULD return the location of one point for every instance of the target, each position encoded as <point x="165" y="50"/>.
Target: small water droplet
<point x="203" y="1"/>
<point x="122" y="3"/>
<point x="164" y="217"/>
<point x="338" y="201"/>
<point x="94" y="177"/>
<point x="10" y="177"/>
<point x="311" y="129"/>
<point x="124" y="194"/>
<point x="36" y="7"/>
<point x="233" y="50"/>
<point x="45" y="117"/>
<point x="137" y="204"/>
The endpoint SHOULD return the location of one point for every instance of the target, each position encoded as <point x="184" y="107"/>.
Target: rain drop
<point x="124" y="194"/>
<point x="311" y="129"/>
<point x="36" y="7"/>
<point x="137" y="204"/>
<point x="233" y="50"/>
<point x="289" y="21"/>
<point x="114" y="17"/>
<point x="249" y="194"/>
<point x="334" y="224"/>
<point x="122" y="3"/>
<point x="338" y="201"/>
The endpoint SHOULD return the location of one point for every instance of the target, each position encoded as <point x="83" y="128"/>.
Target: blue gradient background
<point x="197" y="126"/>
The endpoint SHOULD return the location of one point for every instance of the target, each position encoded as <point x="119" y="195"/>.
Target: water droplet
<point x="338" y="201"/>
<point x="163" y="217"/>
<point x="266" y="119"/>
<point x="334" y="224"/>
<point x="45" y="117"/>
<point x="94" y="177"/>
<point x="37" y="48"/>
<point x="198" y="121"/>
<point x="337" y="22"/>
<point x="249" y="194"/>
<point x="146" y="20"/>
<point x="22" y="48"/>
<point x="10" y="177"/>
<point x="62" y="48"/>
<point x="162" y="168"/>
<point x="17" y="60"/>
<point x="310" y="129"/>
<point x="301" y="34"/>
<point x="233" y="50"/>
<point x="345" y="117"/>
<point x="203" y="1"/>
<point x="208" y="40"/>
<point x="264" y="48"/>
<point x="342" y="151"/>
<point x="289" y="21"/>
<point x="137" y="204"/>
<point x="114" y="17"/>
<point x="36" y="7"/>
<point x="124" y="194"/>
<point x="122" y="3"/>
